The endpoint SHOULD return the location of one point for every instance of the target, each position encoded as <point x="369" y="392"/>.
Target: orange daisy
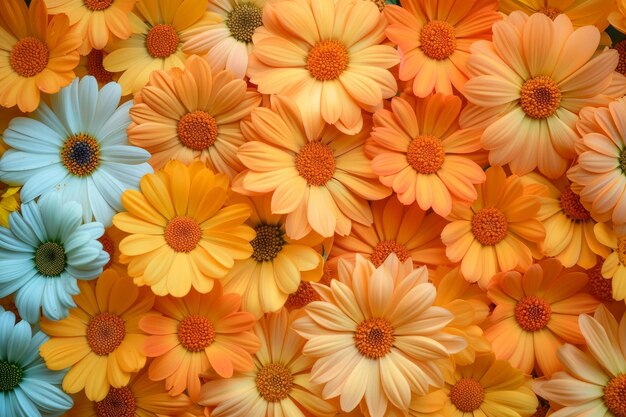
<point x="320" y="182"/>
<point x="602" y="289"/>
<point x="499" y="232"/>
<point x="617" y="18"/>
<point x="91" y="64"/>
<point x="614" y="266"/>
<point x="417" y="149"/>
<point x="528" y="86"/>
<point x="192" y="114"/>
<point x="110" y="243"/>
<point x="196" y="333"/>
<point x="434" y="39"/>
<point x="37" y="54"/>
<point x="536" y="313"/>
<point x="180" y="233"/>
<point x="327" y="56"/>
<point x="100" y="341"/>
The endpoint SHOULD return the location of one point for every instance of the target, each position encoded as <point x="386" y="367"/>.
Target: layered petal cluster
<point x="614" y="266"/>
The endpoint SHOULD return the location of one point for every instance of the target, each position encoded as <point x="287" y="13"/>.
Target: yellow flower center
<point x="374" y="337"/>
<point x="551" y="12"/>
<point x="615" y="395"/>
<point x="97" y="4"/>
<point x="304" y="295"/>
<point x="600" y="287"/>
<point x="621" y="250"/>
<point x="532" y="313"/>
<point x="243" y="20"/>
<point x="327" y="60"/>
<point x="105" y="332"/>
<point x="571" y="206"/>
<point x="50" y="259"/>
<point x="426" y="154"/>
<point x="108" y="247"/>
<point x="489" y="226"/>
<point x="10" y="376"/>
<point x="80" y="155"/>
<point x="620" y="47"/>
<point x="467" y="395"/>
<point x="438" y="40"/>
<point x="196" y="333"/>
<point x="29" y="57"/>
<point x="162" y="41"/>
<point x="316" y="163"/>
<point x="96" y="69"/>
<point x="197" y="130"/>
<point x="385" y="248"/>
<point x="274" y="382"/>
<point x="540" y="97"/>
<point x="119" y="402"/>
<point x="182" y="234"/>
<point x="267" y="243"/>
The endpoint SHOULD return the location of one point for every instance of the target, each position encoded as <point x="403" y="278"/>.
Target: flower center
<point x="571" y="206"/>
<point x="304" y="295"/>
<point x="600" y="287"/>
<point x="243" y="20"/>
<point x="197" y="130"/>
<point x="622" y="161"/>
<point x="196" y="333"/>
<point x="108" y="247"/>
<point x="540" y="97"/>
<point x="183" y="234"/>
<point x="621" y="250"/>
<point x="29" y="57"/>
<point x="438" y="40"/>
<point x="374" y="337"/>
<point x="50" y="259"/>
<point x="489" y="226"/>
<point x="327" y="60"/>
<point x="267" y="243"/>
<point x="10" y="376"/>
<point x="80" y="155"/>
<point x="98" y="4"/>
<point x="315" y="163"/>
<point x="615" y="395"/>
<point x="467" y="395"/>
<point x="119" y="402"/>
<point x="425" y="154"/>
<point x="620" y="47"/>
<point x="274" y="382"/>
<point x="385" y="248"/>
<point x="380" y="4"/>
<point x="96" y="69"/>
<point x="162" y="41"/>
<point x="542" y="411"/>
<point x="551" y="12"/>
<point x="105" y="332"/>
<point x="532" y="313"/>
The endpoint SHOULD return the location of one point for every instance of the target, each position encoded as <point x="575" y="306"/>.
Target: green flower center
<point x="267" y="243"/>
<point x="622" y="161"/>
<point x="243" y="20"/>
<point x="10" y="376"/>
<point x="50" y="259"/>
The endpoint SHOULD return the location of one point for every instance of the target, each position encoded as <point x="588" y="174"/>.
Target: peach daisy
<point x="528" y="86"/>
<point x="192" y="114"/>
<point x="614" y="266"/>
<point x="320" y="182"/>
<point x="617" y="18"/>
<point x="602" y="289"/>
<point x="418" y="150"/>
<point x="327" y="56"/>
<point x="536" y="313"/>
<point x="499" y="232"/>
<point x="434" y="39"/>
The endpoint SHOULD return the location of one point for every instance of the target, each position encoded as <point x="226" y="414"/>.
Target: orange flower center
<point x="542" y="411"/>
<point x="97" y="4"/>
<point x="182" y="234"/>
<point x="197" y="130"/>
<point x="489" y="226"/>
<point x="108" y="247"/>
<point x="50" y="259"/>
<point x="316" y="163"/>
<point x="540" y="97"/>
<point x="385" y="248"/>
<point x="425" y="154"/>
<point x="551" y="12"/>
<point x="532" y="313"/>
<point x="621" y="250"/>
<point x="598" y="286"/>
<point x="29" y="57"/>
<point x="274" y="382"/>
<point x="10" y="376"/>
<point x="105" y="332"/>
<point x="267" y="243"/>
<point x="119" y="402"/>
<point x="80" y="154"/>
<point x="620" y="47"/>
<point x="327" y="60"/>
<point x="95" y="67"/>
<point x="570" y="203"/>
<point x="615" y="395"/>
<point x="302" y="297"/>
<point x="374" y="337"/>
<point x="162" y="41"/>
<point x="196" y="333"/>
<point x="467" y="395"/>
<point x="243" y="20"/>
<point x="438" y="40"/>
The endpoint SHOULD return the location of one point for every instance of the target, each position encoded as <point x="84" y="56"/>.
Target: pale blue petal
<point x="102" y="211"/>
<point x="75" y="241"/>
<point x="110" y="189"/>
<point x="40" y="372"/>
<point x="9" y="287"/>
<point x="108" y="100"/>
<point x="50" y="119"/>
<point x="7" y="321"/>
<point x="46" y="397"/>
<point x="32" y="357"/>
<point x="82" y="256"/>
<point x="88" y="273"/>
<point x="19" y="341"/>
<point x="114" y="131"/>
<point x="29" y="298"/>
<point x="13" y="269"/>
<point x="124" y="154"/>
<point x="88" y="98"/>
<point x="52" y="212"/>
<point x="43" y="181"/>
<point x="30" y="135"/>
<point x="24" y="161"/>
<point x="94" y="229"/>
<point x="23" y="240"/>
<point x="52" y="306"/>
<point x="72" y="218"/>
<point x="32" y="216"/>
<point x="67" y="107"/>
<point x="129" y="175"/>
<point x="22" y="403"/>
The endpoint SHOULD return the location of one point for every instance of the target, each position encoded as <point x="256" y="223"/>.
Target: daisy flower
<point x="192" y="114"/>
<point x="278" y="385"/>
<point x="43" y="253"/>
<point x="196" y="333"/>
<point x="91" y="64"/>
<point x="499" y="232"/>
<point x="327" y="56"/>
<point x="37" y="55"/>
<point x="417" y="149"/>
<point x="602" y="289"/>
<point x="100" y="342"/>
<point x="77" y="146"/>
<point x="27" y="387"/>
<point x="594" y="382"/>
<point x="180" y="233"/>
<point x="111" y="244"/>
<point x="376" y="335"/>
<point x="536" y="313"/>
<point x="614" y="266"/>
<point x="320" y="182"/>
<point x="528" y="86"/>
<point x="434" y="39"/>
<point x="617" y="18"/>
